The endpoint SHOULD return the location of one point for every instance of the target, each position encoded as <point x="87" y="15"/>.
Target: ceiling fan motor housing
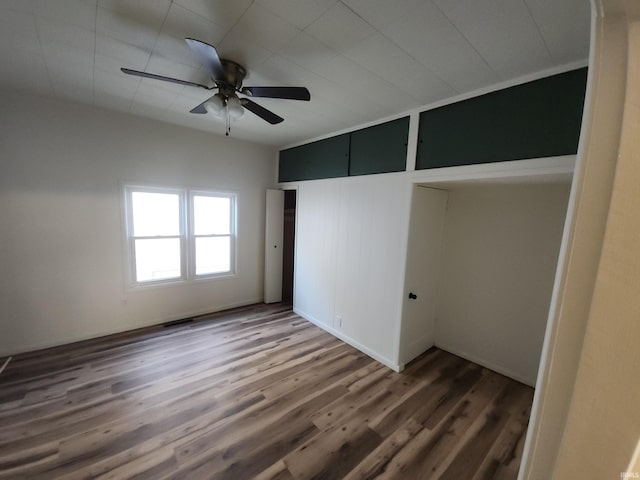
<point x="234" y="76"/>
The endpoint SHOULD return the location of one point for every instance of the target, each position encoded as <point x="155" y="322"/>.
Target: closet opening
<point x="481" y="261"/>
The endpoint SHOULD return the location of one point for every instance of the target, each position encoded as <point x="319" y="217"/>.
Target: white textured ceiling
<point x="362" y="60"/>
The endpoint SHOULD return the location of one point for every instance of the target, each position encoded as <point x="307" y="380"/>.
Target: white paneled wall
<point x="350" y="251"/>
<point x="318" y="206"/>
<point x="370" y="276"/>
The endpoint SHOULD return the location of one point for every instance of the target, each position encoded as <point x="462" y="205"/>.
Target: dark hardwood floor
<point x="254" y="393"/>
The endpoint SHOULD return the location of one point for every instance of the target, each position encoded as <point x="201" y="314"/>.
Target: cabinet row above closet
<point x="378" y="149"/>
<point x="541" y="118"/>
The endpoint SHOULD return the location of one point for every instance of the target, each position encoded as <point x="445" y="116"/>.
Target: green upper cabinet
<point x="380" y="149"/>
<point x="537" y="119"/>
<point x="327" y="158"/>
<point x="533" y="120"/>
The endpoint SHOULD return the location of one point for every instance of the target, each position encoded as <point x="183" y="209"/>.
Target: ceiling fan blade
<point x="200" y="108"/>
<point x="289" y="93"/>
<point x="138" y="73"/>
<point x="262" y="112"/>
<point x="208" y="56"/>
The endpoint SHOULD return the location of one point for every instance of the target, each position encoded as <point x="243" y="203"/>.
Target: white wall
<point x="351" y="238"/>
<point x="423" y="265"/>
<point x="501" y="246"/>
<point x="60" y="210"/>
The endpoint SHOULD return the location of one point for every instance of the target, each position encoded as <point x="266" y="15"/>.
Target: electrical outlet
<point x="339" y="321"/>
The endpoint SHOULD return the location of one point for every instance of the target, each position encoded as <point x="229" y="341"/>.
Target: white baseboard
<point x="345" y="338"/>
<point x="126" y="328"/>
<point x="491" y="366"/>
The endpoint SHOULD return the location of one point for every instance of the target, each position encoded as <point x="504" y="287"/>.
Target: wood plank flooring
<point x="253" y="393"/>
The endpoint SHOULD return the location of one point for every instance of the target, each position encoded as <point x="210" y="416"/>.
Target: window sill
<point x="141" y="287"/>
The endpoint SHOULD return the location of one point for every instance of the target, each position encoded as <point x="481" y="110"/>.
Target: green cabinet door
<point x="380" y="149"/>
<point x="327" y="158"/>
<point x="536" y="119"/>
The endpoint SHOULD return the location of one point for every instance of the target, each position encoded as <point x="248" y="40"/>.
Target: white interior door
<point x="424" y="251"/>
<point x="273" y="246"/>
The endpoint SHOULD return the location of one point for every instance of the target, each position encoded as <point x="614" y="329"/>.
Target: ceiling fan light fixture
<point x="215" y="105"/>
<point x="235" y="108"/>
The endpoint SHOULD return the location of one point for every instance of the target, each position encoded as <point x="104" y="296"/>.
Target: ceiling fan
<point x="227" y="76"/>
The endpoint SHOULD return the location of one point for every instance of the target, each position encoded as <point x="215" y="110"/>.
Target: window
<point x="211" y="222"/>
<point x="178" y="235"/>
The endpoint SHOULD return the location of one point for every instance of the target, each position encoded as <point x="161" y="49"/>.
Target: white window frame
<point x="187" y="234"/>
<point x="192" y="235"/>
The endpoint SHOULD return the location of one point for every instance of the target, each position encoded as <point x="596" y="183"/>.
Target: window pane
<point x="155" y="214"/>
<point x="212" y="215"/>
<point x="157" y="259"/>
<point x="213" y="255"/>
